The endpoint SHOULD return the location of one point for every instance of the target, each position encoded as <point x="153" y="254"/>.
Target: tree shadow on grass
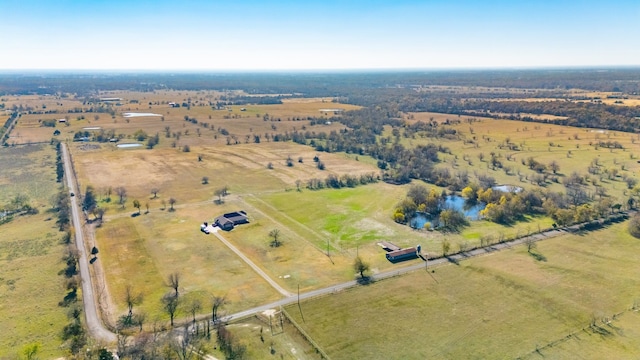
<point x="537" y="256"/>
<point x="366" y="280"/>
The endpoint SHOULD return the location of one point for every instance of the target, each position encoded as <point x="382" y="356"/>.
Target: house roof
<point x="402" y="252"/>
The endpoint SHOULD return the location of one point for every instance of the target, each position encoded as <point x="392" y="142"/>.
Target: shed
<point x="388" y="246"/>
<point x="402" y="254"/>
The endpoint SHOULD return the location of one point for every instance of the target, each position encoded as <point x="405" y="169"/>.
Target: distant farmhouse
<point x="229" y="220"/>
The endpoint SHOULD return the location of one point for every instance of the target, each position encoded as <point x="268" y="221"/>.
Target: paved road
<point x="250" y="263"/>
<point x="94" y="323"/>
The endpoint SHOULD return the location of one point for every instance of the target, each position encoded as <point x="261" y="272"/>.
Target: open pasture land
<point x="142" y="252"/>
<point x="242" y="168"/>
<point x="30" y="255"/>
<point x="500" y="306"/>
<point x="514" y="142"/>
<point x="153" y="245"/>
<point x="28" y="171"/>
<point x="207" y="123"/>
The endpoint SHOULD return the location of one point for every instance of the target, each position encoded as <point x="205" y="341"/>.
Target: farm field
<point x="268" y="156"/>
<point x="30" y="256"/>
<point x="486" y="307"/>
<point x="212" y="125"/>
<point x="348" y="221"/>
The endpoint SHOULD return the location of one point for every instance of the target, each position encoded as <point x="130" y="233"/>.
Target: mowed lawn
<point x="30" y="256"/>
<point x="503" y="305"/>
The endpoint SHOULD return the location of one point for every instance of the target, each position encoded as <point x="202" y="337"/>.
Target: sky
<point x="196" y="35"/>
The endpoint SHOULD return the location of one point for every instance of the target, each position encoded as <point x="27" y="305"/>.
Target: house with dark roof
<point x="230" y="220"/>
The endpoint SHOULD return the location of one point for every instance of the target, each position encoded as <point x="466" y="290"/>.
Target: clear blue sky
<point x="329" y="34"/>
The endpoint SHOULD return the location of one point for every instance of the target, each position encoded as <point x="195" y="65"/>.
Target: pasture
<point x="203" y="149"/>
<point x="30" y="255"/>
<point x="514" y="142"/>
<point x="342" y="222"/>
<point x="208" y="125"/>
<point x="505" y="305"/>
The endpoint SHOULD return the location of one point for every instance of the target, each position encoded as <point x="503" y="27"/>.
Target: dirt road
<point x="94" y="324"/>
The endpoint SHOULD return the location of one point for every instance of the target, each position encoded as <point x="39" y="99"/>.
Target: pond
<point x="456" y="202"/>
<point x="130" y="114"/>
<point x="508" y="188"/>
<point x="128" y="145"/>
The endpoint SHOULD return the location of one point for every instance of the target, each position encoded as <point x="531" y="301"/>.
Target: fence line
<point x="304" y="334"/>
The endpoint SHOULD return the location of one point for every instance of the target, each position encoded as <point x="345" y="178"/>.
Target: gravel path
<point x="94" y="324"/>
<point x="255" y="267"/>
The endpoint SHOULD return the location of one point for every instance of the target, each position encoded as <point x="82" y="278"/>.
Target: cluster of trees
<point x="338" y="182"/>
<point x="18" y="205"/>
<point x="634" y="226"/>
<point x="159" y="344"/>
<point x="4" y="130"/>
<point x="431" y="202"/>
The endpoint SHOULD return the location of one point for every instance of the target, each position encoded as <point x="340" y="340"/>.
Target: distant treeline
<point x="319" y="84"/>
<point x="579" y="114"/>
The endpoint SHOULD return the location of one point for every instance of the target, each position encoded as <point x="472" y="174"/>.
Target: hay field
<point x="30" y="256"/>
<point x="500" y="306"/>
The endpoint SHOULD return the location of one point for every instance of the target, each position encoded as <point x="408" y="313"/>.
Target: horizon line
<point x="321" y="70"/>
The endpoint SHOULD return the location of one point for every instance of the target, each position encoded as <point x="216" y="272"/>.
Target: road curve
<point x="94" y="323"/>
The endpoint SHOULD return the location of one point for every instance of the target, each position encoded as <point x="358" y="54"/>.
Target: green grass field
<point x="500" y="306"/>
<point x="30" y="256"/>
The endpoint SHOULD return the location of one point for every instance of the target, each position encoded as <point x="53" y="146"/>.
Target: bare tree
<point x="219" y="193"/>
<point x="136" y="204"/>
<point x="100" y="213"/>
<point x="274" y="234"/>
<point x="174" y="281"/>
<point x="216" y="303"/>
<point x="187" y="346"/>
<point x="194" y="306"/>
<point x="170" y="302"/>
<point x="131" y="300"/>
<point x="139" y="319"/>
<point x="155" y="191"/>
<point x="172" y="202"/>
<point x="122" y="194"/>
<point x="360" y="266"/>
<point x="531" y="244"/>
<point x="205" y="180"/>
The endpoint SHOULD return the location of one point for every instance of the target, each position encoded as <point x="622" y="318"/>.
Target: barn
<point x="402" y="254"/>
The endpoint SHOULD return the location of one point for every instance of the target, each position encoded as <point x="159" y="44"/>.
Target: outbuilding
<point x="402" y="254"/>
